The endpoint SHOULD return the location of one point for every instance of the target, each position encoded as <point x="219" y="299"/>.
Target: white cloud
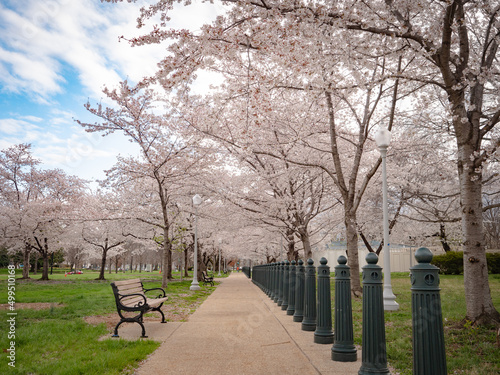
<point x="12" y="126"/>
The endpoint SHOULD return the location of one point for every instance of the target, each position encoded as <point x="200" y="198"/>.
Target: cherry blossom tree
<point x="166" y="156"/>
<point x="35" y="204"/>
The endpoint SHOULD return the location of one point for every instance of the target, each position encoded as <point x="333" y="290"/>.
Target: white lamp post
<point x="383" y="139"/>
<point x="196" y="202"/>
<point x="220" y="244"/>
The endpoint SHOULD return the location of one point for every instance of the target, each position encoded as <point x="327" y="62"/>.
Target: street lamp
<point x="220" y="244"/>
<point x="383" y="139"/>
<point x="196" y="202"/>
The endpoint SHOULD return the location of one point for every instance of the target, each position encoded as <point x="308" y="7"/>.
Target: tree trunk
<point x="186" y="274"/>
<point x="103" y="264"/>
<point x="352" y="252"/>
<point x="45" y="256"/>
<point x="480" y="309"/>
<point x="306" y="242"/>
<point x="291" y="253"/>
<point x="443" y="238"/>
<point x="26" y="261"/>
<point x="166" y="268"/>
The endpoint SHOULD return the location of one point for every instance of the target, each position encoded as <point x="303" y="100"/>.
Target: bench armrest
<point x="160" y="289"/>
<point x="138" y="304"/>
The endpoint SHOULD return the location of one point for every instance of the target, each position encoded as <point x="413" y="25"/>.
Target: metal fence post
<point x="291" y="289"/>
<point x="298" y="315"/>
<point x="429" y="356"/>
<point x="280" y="283"/>
<point x="276" y="283"/>
<point x="286" y="278"/>
<point x="309" y="320"/>
<point x="271" y="281"/>
<point x="374" y="353"/>
<point x="343" y="349"/>
<point x="324" y="333"/>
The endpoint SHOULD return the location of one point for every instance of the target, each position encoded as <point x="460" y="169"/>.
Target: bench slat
<point x="153" y="302"/>
<point x="126" y="282"/>
<point x="131" y="302"/>
<point x="133" y="290"/>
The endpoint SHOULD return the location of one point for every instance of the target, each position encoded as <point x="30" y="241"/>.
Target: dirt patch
<point x="32" y="306"/>
<point x="172" y="314"/>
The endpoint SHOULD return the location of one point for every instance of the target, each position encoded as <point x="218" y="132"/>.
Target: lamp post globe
<point x="195" y="285"/>
<point x="383" y="139"/>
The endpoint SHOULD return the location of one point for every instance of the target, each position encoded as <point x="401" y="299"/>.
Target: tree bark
<point x="352" y="251"/>
<point x="186" y="274"/>
<point x="292" y="254"/>
<point x="26" y="261"/>
<point x="306" y="242"/>
<point x="103" y="264"/>
<point x="45" y="256"/>
<point x="479" y="304"/>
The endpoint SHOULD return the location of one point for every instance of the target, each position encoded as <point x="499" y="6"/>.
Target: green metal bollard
<point x="291" y="289"/>
<point x="324" y="333"/>
<point x="286" y="286"/>
<point x="374" y="353"/>
<point x="429" y="357"/>
<point x="271" y="281"/>
<point x="309" y="320"/>
<point x="280" y="283"/>
<point x="276" y="283"/>
<point x="343" y="349"/>
<point x="298" y="315"/>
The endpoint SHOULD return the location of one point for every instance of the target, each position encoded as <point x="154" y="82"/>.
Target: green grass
<point x="469" y="350"/>
<point x="57" y="340"/>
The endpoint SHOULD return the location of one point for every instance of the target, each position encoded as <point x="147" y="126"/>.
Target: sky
<point x="55" y="55"/>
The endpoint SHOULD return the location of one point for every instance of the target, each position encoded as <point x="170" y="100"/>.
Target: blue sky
<point x="57" y="54"/>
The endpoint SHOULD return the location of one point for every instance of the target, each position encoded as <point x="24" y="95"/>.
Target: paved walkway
<point x="237" y="330"/>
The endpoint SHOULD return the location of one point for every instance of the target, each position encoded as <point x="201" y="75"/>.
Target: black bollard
<point x="271" y="281"/>
<point x="298" y="315"/>
<point x="291" y="290"/>
<point x="429" y="357"/>
<point x="286" y="287"/>
<point x="324" y="333"/>
<point x="343" y="349"/>
<point x="374" y="353"/>
<point x="276" y="283"/>
<point x="280" y="283"/>
<point x="309" y="320"/>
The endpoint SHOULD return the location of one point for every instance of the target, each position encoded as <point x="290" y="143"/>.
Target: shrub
<point x="493" y="260"/>
<point x="450" y="263"/>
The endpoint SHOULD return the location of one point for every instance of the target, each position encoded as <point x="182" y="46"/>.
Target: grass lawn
<point x="57" y="340"/>
<point x="469" y="350"/>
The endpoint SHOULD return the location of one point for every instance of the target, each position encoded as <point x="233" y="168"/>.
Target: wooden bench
<point x="207" y="279"/>
<point x="131" y="300"/>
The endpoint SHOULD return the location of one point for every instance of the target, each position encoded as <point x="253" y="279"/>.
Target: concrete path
<point x="237" y="330"/>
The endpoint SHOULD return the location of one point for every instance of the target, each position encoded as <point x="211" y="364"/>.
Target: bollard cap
<point x="293" y="263"/>
<point x="342" y="260"/>
<point x="423" y="255"/>
<point x="323" y="261"/>
<point x="371" y="258"/>
<point x="300" y="262"/>
<point x="310" y="262"/>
